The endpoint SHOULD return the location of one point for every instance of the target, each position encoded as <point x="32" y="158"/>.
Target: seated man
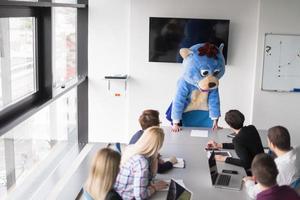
<point x="287" y="161"/>
<point x="148" y="119"/>
<point x="265" y="172"/>
<point x="247" y="142"/>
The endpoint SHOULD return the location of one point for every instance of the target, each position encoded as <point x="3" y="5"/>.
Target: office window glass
<point x="65" y="1"/>
<point x="25" y="0"/>
<point x="17" y="59"/>
<point x="38" y="138"/>
<point x="64" y="46"/>
<point x="35" y="139"/>
<point x="2" y="171"/>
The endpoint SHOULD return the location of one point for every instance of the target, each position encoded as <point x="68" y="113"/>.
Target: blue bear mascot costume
<point x="197" y="101"/>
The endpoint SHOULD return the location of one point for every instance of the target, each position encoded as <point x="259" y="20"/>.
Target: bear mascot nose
<point x="210" y="85"/>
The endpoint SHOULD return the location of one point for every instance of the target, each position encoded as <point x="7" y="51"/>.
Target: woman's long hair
<point x="103" y="173"/>
<point x="148" y="145"/>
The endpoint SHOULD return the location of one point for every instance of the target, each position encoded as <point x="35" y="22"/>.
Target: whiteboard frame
<point x="264" y="47"/>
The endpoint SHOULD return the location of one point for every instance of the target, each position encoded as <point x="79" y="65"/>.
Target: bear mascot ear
<point x="185" y="52"/>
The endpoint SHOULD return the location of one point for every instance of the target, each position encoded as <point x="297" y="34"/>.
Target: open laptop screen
<point x="177" y="192"/>
<point x="213" y="167"/>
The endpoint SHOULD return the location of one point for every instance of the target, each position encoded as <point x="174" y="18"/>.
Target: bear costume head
<point x="204" y="65"/>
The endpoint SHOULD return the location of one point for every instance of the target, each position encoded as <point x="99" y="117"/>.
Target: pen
<point x="296" y="90"/>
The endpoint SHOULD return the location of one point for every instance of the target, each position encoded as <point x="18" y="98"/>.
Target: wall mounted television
<point x="168" y="35"/>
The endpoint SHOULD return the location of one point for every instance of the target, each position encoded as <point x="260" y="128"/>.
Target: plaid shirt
<point x="134" y="178"/>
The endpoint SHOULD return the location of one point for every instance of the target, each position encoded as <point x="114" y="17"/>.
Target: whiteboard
<point x="281" y="69"/>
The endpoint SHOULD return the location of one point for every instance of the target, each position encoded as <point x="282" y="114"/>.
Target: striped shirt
<point x="134" y="178"/>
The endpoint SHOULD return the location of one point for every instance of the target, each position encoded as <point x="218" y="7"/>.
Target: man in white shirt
<point x="287" y="160"/>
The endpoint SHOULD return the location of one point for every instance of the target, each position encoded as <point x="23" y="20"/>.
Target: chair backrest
<point x="86" y="196"/>
<point x="119" y="147"/>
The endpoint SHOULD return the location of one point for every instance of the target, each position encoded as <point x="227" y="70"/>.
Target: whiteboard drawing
<point x="281" y="70"/>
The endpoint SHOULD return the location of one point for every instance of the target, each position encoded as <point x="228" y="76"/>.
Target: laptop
<point x="232" y="182"/>
<point x="178" y="192"/>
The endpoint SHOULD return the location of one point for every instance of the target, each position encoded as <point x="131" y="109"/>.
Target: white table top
<point x="196" y="175"/>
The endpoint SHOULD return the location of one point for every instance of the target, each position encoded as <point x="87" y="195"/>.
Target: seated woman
<point x="103" y="173"/>
<point x="139" y="165"/>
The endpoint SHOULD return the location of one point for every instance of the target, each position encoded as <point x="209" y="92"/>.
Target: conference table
<point x="196" y="175"/>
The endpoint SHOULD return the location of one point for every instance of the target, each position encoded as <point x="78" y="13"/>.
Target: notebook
<point x="180" y="162"/>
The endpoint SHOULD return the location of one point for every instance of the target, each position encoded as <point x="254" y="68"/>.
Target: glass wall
<point x="26" y="146"/>
<point x="38" y="92"/>
<point x="3" y="180"/>
<point x="65" y="1"/>
<point x="17" y="59"/>
<point x="64" y="46"/>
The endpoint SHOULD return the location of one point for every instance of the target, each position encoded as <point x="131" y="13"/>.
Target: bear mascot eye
<point x="204" y="73"/>
<point x="216" y="72"/>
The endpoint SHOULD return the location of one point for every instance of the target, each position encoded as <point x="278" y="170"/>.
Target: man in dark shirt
<point x="247" y="142"/>
<point x="265" y="172"/>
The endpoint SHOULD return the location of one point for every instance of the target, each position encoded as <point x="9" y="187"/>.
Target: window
<point x="43" y="90"/>
<point x="33" y="141"/>
<point x="3" y="181"/>
<point x="64" y="46"/>
<point x="17" y="59"/>
<point x="25" y="0"/>
<point x="65" y="1"/>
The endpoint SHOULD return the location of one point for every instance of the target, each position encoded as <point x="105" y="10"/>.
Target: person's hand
<point x="248" y="178"/>
<point x="173" y="160"/>
<point x="176" y="127"/>
<point x="156" y="155"/>
<point x="160" y="185"/>
<point x="220" y="158"/>
<point x="154" y="164"/>
<point x="212" y="144"/>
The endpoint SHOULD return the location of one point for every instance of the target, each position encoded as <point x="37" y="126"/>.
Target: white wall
<point x="108" y="54"/>
<point x="152" y="85"/>
<point x="273" y="108"/>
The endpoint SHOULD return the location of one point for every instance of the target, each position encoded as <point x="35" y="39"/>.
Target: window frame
<point x="21" y="110"/>
<point x="9" y="112"/>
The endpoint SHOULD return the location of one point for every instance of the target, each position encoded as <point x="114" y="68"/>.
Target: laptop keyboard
<point x="223" y="180"/>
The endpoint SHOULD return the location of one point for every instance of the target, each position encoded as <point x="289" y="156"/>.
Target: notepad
<point x="180" y="162"/>
<point x="199" y="133"/>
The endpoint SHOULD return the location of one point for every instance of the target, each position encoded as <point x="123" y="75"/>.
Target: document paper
<point x="199" y="133"/>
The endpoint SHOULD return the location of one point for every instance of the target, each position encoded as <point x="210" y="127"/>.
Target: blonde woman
<point x="103" y="173"/>
<point x="139" y="165"/>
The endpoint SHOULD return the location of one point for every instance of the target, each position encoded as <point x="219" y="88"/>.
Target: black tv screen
<point x="169" y="35"/>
